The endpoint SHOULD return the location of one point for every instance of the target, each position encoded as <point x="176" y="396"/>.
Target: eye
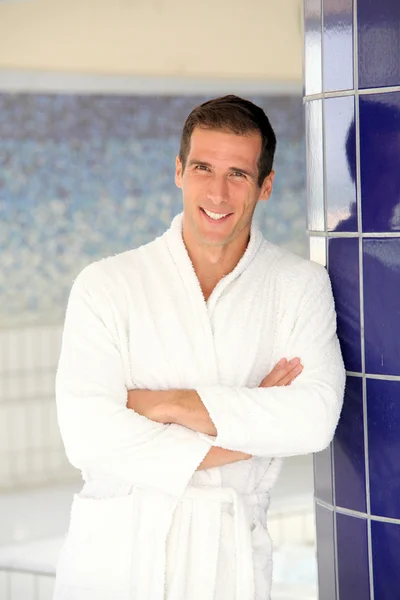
<point x="237" y="174"/>
<point x="201" y="168"/>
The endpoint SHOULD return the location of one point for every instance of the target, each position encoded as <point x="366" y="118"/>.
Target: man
<point x="180" y="388"/>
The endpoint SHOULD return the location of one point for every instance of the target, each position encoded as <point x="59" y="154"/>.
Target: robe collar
<point x="174" y="239"/>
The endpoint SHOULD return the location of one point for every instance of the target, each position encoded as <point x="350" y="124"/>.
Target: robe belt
<point x="242" y="531"/>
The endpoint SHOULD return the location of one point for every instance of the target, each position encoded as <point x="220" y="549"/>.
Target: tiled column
<point x="352" y="104"/>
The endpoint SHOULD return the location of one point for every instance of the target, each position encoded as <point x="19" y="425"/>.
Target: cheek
<point x="194" y="187"/>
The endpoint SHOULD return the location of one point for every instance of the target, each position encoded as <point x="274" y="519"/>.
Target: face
<point x="220" y="177"/>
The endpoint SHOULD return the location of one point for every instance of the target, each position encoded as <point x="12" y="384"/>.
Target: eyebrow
<point x="207" y="164"/>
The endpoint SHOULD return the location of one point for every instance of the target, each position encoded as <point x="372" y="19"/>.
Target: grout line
<point x="325" y="201"/>
<point x="374" y="376"/>
<point x="358" y="514"/>
<point x="383" y="377"/>
<point x="361" y="290"/>
<point x="362" y="92"/>
<point x="353" y="234"/>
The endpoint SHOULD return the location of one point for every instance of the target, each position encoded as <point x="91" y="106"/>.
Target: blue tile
<point x="381" y="258"/>
<point x="338" y="45"/>
<point x="379" y="162"/>
<point x="343" y="267"/>
<point x="340" y="173"/>
<point x="386" y="553"/>
<point x="378" y="42"/>
<point x="315" y="169"/>
<point x="383" y="408"/>
<point x="323" y="475"/>
<point x="325" y="553"/>
<point x="312" y="47"/>
<point x="352" y="551"/>
<point x="348" y="448"/>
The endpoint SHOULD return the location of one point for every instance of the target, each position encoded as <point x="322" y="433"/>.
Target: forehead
<point x="223" y="146"/>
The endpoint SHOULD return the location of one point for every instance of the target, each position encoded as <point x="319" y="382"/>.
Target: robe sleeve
<point x="102" y="437"/>
<point x="297" y="419"/>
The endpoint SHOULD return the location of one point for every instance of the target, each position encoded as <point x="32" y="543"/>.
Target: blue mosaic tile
<point x="87" y="176"/>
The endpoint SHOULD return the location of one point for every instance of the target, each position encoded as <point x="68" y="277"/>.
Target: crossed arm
<point x="184" y="407"/>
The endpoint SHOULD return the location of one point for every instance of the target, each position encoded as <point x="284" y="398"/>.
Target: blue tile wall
<point x="385" y="556"/>
<point x="381" y="258"/>
<point x="313" y="47"/>
<point x="383" y="402"/>
<point x="87" y="176"/>
<point x="348" y="450"/>
<point x="341" y="201"/>
<point x="315" y="167"/>
<point x="345" y="278"/>
<point x="379" y="164"/>
<point x="324" y="519"/>
<point x="378" y="43"/>
<point x="353" y="197"/>
<point x="323" y="475"/>
<point x="353" y="571"/>
<point x="338" y="45"/>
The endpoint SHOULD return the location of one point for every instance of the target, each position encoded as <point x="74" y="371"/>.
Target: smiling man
<point x="189" y="368"/>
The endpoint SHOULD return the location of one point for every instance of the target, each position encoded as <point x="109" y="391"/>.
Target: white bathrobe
<point x="147" y="525"/>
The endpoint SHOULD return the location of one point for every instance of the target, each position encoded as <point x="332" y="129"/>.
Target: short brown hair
<point x="236" y="115"/>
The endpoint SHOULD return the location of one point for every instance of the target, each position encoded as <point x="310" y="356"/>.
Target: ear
<point x="266" y="188"/>
<point x="178" y="172"/>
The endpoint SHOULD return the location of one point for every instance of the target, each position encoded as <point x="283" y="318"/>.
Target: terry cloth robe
<point x="147" y="525"/>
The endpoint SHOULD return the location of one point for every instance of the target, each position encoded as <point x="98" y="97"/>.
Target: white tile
<point x="22" y="586"/>
<point x="12" y="387"/>
<point x="36" y="416"/>
<point x="4" y="585"/>
<point x="16" y="419"/>
<point x="46" y="587"/>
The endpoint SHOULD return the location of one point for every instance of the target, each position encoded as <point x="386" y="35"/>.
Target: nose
<point x="217" y="191"/>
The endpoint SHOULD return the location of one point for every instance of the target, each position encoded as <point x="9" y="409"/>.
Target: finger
<point x="282" y="369"/>
<point x="287" y="369"/>
<point x="291" y="376"/>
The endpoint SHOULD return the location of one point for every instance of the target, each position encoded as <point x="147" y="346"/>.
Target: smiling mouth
<point x="213" y="217"/>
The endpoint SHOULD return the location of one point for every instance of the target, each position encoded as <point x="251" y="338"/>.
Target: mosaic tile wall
<point x="83" y="177"/>
<point x="352" y="93"/>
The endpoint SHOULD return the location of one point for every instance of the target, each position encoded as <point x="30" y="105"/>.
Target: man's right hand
<point x="284" y="373"/>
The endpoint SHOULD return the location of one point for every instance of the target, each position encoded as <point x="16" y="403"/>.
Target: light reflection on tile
<point x="340" y="164"/>
<point x="312" y="47"/>
<point x="318" y="250"/>
<point x="338" y="45"/>
<point x="315" y="170"/>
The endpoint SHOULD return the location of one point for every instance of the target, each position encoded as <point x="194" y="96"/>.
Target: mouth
<point x="215" y="220"/>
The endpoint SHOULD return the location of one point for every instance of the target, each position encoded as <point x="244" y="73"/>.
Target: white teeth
<point x="215" y="216"/>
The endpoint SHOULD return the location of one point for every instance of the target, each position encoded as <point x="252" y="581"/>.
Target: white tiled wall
<point x="31" y="450"/>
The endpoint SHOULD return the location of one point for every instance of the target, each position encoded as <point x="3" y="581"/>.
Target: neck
<point x="212" y="263"/>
